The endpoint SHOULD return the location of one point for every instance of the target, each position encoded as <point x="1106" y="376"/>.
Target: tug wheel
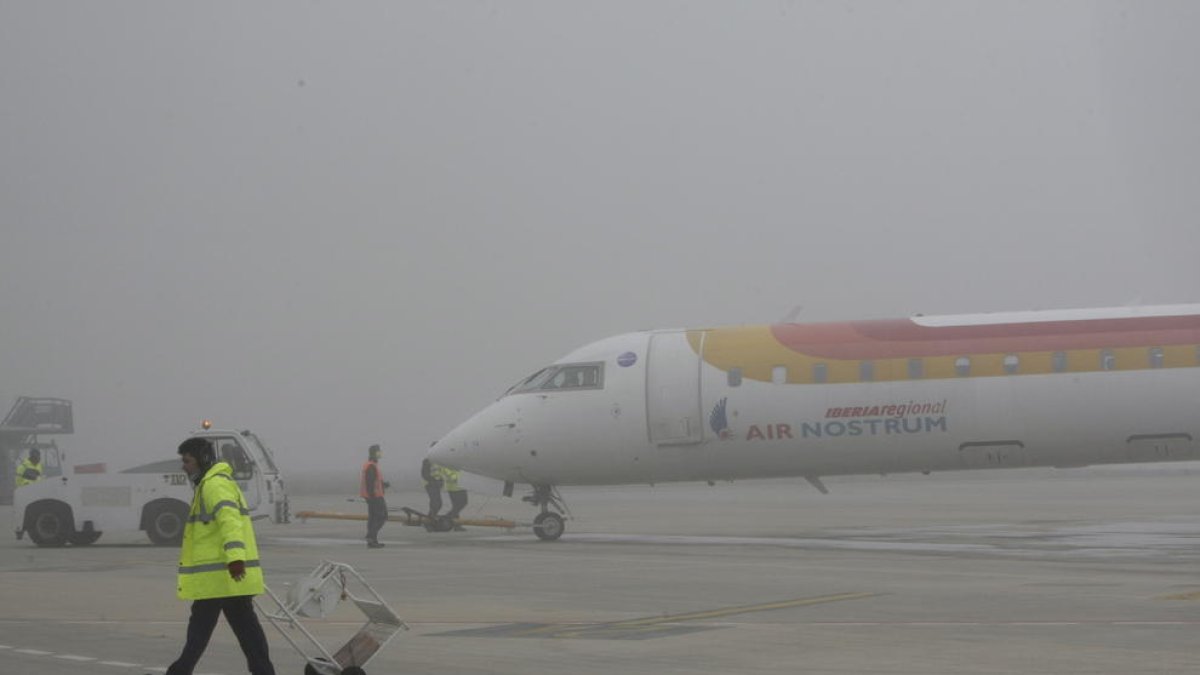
<point x="548" y="526"/>
<point x="165" y="522"/>
<point x="50" y="524"/>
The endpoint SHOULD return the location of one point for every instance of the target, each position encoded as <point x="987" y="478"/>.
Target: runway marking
<point x="646" y="627"/>
<point x="745" y="609"/>
<point x="88" y="659"/>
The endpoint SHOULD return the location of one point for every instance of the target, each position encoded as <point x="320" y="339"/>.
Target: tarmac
<point x="1035" y="571"/>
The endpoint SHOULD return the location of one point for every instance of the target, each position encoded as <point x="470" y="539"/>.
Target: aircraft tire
<point x="50" y="524"/>
<point x="548" y="526"/>
<point x="165" y="521"/>
<point x="84" y="538"/>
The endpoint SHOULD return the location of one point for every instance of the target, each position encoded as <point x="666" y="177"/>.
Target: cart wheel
<point x="548" y="526"/>
<point x="353" y="670"/>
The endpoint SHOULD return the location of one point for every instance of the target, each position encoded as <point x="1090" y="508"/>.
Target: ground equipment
<point x="314" y="597"/>
<point x="414" y="518"/>
<point x="77" y="507"/>
<point x="21" y="431"/>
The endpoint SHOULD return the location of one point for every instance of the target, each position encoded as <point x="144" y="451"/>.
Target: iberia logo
<point x="718" y="421"/>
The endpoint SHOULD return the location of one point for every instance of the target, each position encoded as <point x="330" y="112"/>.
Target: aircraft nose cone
<point x="441" y="452"/>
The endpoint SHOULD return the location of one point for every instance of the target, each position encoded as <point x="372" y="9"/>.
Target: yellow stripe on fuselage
<point x="756" y="351"/>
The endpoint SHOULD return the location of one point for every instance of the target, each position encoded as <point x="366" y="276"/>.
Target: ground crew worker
<point x="458" y="495"/>
<point x="433" y="487"/>
<point x="219" y="569"/>
<point x="371" y="488"/>
<point x="30" y="470"/>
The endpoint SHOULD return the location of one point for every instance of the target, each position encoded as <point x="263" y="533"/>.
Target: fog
<point x="349" y="224"/>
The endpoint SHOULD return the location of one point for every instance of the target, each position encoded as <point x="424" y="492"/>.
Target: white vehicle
<point x="77" y="507"/>
<point x="931" y="393"/>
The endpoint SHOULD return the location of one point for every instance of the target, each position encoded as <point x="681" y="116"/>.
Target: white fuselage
<point x="675" y="406"/>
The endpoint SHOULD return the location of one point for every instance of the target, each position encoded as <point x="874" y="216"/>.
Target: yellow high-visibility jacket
<point x="27" y="466"/>
<point x="449" y="477"/>
<point x="218" y="532"/>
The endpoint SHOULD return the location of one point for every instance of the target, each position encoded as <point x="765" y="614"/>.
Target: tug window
<point x="735" y="377"/>
<point x="1156" y="357"/>
<point x="235" y="456"/>
<point x="866" y="371"/>
<point x="962" y="366"/>
<point x="1107" y="360"/>
<point x="820" y="373"/>
<point x="779" y="375"/>
<point x="1012" y="363"/>
<point x="1059" y="361"/>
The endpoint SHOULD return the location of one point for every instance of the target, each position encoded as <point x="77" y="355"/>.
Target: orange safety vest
<point x="374" y="490"/>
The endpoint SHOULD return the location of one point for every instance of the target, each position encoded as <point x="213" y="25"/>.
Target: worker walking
<point x="458" y="495"/>
<point x="371" y="489"/>
<point x="30" y="470"/>
<point x="219" y="569"/>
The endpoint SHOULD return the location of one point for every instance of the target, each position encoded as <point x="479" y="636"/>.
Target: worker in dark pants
<point x="433" y="487"/>
<point x="219" y="568"/>
<point x="458" y="495"/>
<point x="371" y="489"/>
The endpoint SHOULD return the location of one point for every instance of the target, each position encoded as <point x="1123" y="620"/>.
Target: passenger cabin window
<point x="866" y="371"/>
<point x="820" y="373"/>
<point x="1107" y="360"/>
<point x="735" y="377"/>
<point x="1156" y="357"/>
<point x="1012" y="363"/>
<point x="563" y="377"/>
<point x="1059" y="362"/>
<point x="962" y="366"/>
<point x="916" y="369"/>
<point x="779" y="374"/>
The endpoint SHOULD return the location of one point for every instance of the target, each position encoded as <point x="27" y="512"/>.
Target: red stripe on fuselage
<point x="898" y="338"/>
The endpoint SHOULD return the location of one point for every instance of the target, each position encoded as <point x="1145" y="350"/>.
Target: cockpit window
<point x="563" y="377"/>
<point x="530" y="383"/>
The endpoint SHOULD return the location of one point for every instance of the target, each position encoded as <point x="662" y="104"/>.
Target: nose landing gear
<point x="548" y="525"/>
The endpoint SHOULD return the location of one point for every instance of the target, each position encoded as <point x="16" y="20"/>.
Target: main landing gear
<point x="548" y="525"/>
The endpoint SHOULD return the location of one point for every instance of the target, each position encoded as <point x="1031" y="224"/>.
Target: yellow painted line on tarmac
<point x="539" y="630"/>
<point x="1193" y="595"/>
<point x="743" y="609"/>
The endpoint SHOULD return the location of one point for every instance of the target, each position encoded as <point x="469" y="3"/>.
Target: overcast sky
<point x="347" y="223"/>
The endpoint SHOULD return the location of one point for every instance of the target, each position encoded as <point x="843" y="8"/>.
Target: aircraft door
<point x="673" y="390"/>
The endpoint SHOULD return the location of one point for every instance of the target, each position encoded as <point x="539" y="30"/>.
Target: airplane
<point x="1057" y="388"/>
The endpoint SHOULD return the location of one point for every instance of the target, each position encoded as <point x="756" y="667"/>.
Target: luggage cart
<point x="317" y="595"/>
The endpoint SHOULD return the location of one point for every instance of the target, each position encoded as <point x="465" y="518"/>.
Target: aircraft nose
<point x="439" y="452"/>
